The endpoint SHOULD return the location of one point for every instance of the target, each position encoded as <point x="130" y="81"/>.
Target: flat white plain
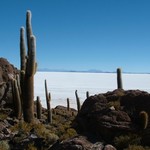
<point x="62" y="85"/>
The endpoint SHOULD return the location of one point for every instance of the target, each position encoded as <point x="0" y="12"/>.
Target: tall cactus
<point x="28" y="69"/>
<point x="119" y="78"/>
<point x="48" y="100"/>
<point x="78" y="101"/>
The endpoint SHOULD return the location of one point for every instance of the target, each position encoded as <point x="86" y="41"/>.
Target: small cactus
<point x="78" y="101"/>
<point x="48" y="100"/>
<point x="68" y="104"/>
<point x="143" y="119"/>
<point x="16" y="99"/>
<point x="119" y="78"/>
<point x="38" y="107"/>
<point x="87" y="94"/>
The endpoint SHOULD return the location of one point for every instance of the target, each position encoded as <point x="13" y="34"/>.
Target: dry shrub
<point x="4" y="145"/>
<point x="124" y="141"/>
<point x="137" y="147"/>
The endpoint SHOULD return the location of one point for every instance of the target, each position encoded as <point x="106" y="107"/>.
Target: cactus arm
<point x="28" y="28"/>
<point x="22" y="49"/>
<point x="30" y="70"/>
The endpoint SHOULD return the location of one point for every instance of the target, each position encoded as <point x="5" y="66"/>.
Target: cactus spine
<point x="78" y="101"/>
<point x="119" y="78"/>
<point x="38" y="107"/>
<point x="143" y="119"/>
<point x="68" y="104"/>
<point x="28" y="65"/>
<point x="48" y="100"/>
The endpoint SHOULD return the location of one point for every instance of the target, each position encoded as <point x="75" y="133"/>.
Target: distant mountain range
<point x="64" y="70"/>
<point x="86" y="71"/>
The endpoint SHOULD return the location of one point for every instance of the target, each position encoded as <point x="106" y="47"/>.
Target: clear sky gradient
<point x="80" y="34"/>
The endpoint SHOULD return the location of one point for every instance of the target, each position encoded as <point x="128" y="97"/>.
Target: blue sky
<point x="80" y="34"/>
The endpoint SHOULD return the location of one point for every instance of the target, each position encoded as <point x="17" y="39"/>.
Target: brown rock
<point x="97" y="117"/>
<point x="7" y="72"/>
<point x="109" y="147"/>
<point x="77" y="143"/>
<point x="81" y="143"/>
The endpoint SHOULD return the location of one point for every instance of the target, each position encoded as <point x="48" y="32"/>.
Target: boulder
<point x="134" y="102"/>
<point x="81" y="143"/>
<point x="114" y="113"/>
<point x="7" y="72"/>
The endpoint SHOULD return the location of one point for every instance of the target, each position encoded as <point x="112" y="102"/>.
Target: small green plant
<point x="124" y="141"/>
<point x="31" y="146"/>
<point x="3" y="116"/>
<point x="4" y="145"/>
<point x="70" y="132"/>
<point x="137" y="147"/>
<point x="41" y="130"/>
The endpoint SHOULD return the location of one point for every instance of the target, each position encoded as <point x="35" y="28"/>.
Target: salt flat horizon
<point x="87" y="71"/>
<point x="62" y="85"/>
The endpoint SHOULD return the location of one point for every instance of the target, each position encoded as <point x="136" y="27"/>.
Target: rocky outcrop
<point x="7" y="72"/>
<point x="134" y="102"/>
<point x="81" y="143"/>
<point x="113" y="114"/>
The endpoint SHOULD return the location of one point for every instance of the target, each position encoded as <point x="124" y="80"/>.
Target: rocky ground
<point x="114" y="120"/>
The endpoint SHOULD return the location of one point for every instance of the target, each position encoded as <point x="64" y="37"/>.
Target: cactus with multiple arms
<point x="28" y="68"/>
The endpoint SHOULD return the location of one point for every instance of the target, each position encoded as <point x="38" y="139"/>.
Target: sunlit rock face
<point x="7" y="73"/>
